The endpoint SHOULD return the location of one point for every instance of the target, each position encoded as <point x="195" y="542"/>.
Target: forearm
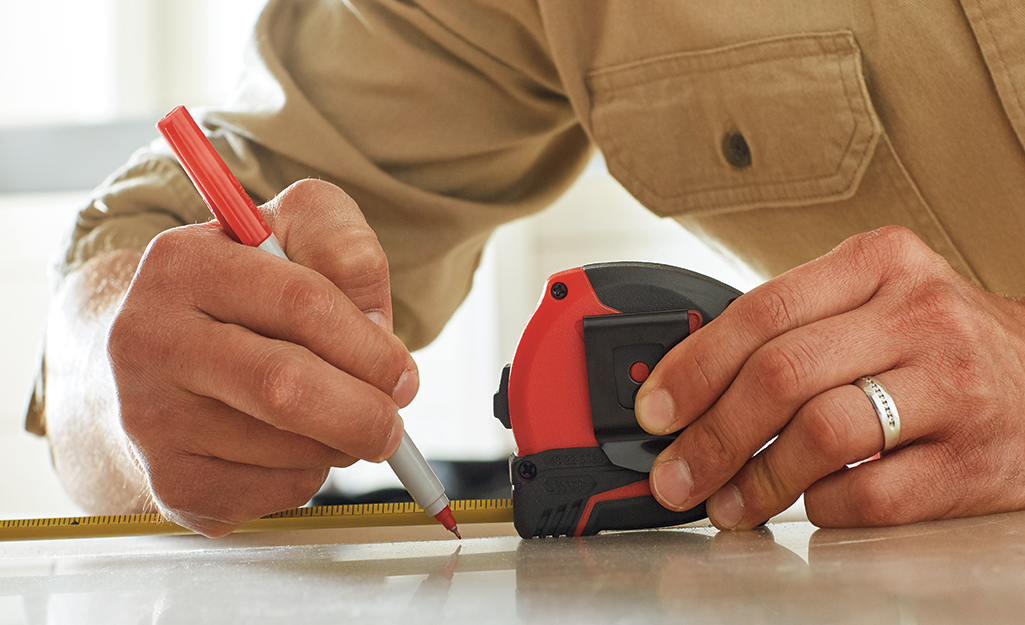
<point x="90" y="451"/>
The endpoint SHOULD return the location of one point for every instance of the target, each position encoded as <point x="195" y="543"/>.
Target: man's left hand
<point x="779" y="363"/>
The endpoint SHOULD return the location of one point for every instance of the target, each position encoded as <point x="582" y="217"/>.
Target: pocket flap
<point x="782" y="121"/>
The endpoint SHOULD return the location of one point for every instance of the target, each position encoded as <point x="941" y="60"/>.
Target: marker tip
<point x="448" y="521"/>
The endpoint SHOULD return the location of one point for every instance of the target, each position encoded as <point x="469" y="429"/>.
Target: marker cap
<point x="221" y="191"/>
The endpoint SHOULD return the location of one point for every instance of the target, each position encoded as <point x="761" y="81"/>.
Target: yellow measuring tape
<point x="317" y="517"/>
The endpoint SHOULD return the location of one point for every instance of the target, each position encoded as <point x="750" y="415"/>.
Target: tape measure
<point x="316" y="517"/>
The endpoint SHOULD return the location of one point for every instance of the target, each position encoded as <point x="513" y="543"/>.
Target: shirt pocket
<point x="777" y="122"/>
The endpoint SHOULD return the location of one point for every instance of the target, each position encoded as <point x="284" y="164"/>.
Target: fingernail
<point x="655" y="412"/>
<point x="380" y="319"/>
<point x="672" y="483"/>
<point x="726" y="507"/>
<point x="405" y="390"/>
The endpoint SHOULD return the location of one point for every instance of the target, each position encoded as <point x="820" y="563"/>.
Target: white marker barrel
<point x="270" y="244"/>
<point x="418" y="478"/>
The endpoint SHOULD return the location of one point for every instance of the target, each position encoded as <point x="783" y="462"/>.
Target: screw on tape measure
<point x="315" y="517"/>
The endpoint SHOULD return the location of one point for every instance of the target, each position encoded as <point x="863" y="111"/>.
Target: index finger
<point x="244" y="286"/>
<point x="704" y="365"/>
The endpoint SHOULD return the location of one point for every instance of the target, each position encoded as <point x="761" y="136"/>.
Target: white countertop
<point x="962" y="571"/>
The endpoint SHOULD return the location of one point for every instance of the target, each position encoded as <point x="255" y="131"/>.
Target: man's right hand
<point x="243" y="378"/>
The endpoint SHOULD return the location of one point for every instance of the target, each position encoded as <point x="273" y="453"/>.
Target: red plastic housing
<point x="550" y="370"/>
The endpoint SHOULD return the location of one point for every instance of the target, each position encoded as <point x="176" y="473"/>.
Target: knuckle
<point x="782" y="371"/>
<point x="290" y="490"/>
<point x="166" y="253"/>
<point x="278" y="382"/>
<point x="385" y="365"/>
<point x="880" y="248"/>
<point x="124" y="338"/>
<point x="939" y="305"/>
<point x="895" y="500"/>
<point x="367" y="259"/>
<point x="367" y="430"/>
<point x="948" y="331"/>
<point x="314" y="189"/>
<point x="375" y="431"/>
<point x="308" y="483"/>
<point x="187" y="493"/>
<point x="771" y="311"/>
<point x="875" y="503"/>
<point x="902" y="249"/>
<point x="171" y="492"/>
<point x="773" y="485"/>
<point x="320" y="456"/>
<point x="895" y="238"/>
<point x="965" y="464"/>
<point x="135" y="342"/>
<point x="313" y="193"/>
<point x="308" y="186"/>
<point x="163" y="246"/>
<point x="323" y="457"/>
<point x="718" y="451"/>
<point x="309" y="307"/>
<point x="890" y="243"/>
<point x="700" y="369"/>
<point x="299" y="193"/>
<point x="828" y="430"/>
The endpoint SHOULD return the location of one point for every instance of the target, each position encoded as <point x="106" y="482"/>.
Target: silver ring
<point x="885" y="409"/>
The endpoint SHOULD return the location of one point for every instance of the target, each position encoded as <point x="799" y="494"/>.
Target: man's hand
<point x="243" y="378"/>
<point x="779" y="362"/>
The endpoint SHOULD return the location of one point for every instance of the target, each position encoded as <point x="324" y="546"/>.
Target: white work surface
<point x="962" y="571"/>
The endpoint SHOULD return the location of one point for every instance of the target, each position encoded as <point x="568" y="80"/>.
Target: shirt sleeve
<point x="443" y="120"/>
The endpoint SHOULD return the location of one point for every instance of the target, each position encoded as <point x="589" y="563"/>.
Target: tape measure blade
<point x="88" y="527"/>
<point x="341" y="517"/>
<point x="317" y="517"/>
<point x="483" y="510"/>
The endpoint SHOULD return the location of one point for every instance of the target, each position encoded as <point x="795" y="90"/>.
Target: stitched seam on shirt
<point x="781" y="51"/>
<point x="1005" y="70"/>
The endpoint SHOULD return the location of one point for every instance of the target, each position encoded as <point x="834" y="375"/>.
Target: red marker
<point x="241" y="220"/>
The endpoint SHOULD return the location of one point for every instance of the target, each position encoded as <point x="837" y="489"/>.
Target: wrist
<point x="91" y="454"/>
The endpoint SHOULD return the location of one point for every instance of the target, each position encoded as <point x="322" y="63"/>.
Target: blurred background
<point x="82" y="83"/>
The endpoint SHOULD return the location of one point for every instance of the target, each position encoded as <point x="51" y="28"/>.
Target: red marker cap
<point x="446" y="518"/>
<point x="220" y="189"/>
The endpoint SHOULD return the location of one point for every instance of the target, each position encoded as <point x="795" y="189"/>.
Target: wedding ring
<point x="885" y="409"/>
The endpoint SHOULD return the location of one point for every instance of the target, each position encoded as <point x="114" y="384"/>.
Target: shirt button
<point x="736" y="150"/>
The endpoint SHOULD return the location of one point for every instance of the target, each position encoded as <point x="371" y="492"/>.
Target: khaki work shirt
<point x="776" y="128"/>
